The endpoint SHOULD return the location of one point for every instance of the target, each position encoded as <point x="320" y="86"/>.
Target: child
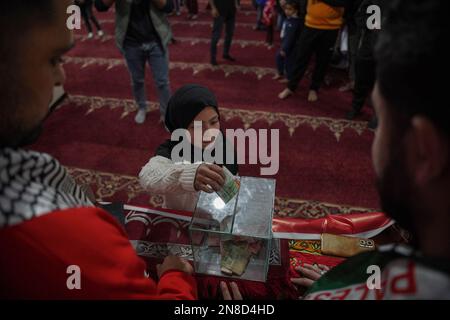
<point x="180" y="182"/>
<point x="324" y="18"/>
<point x="289" y="34"/>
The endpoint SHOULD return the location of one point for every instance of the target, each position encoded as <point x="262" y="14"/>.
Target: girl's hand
<point x="209" y="178"/>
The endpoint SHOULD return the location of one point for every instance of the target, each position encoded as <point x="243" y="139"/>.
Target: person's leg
<point x="94" y="20"/>
<point x="159" y="65"/>
<point x="324" y="53"/>
<point x="135" y="59"/>
<point x="353" y="40"/>
<point x="189" y="7"/>
<point x="364" y="83"/>
<point x="229" y="32"/>
<point x="279" y="59"/>
<point x="176" y="4"/>
<point x="259" y="15"/>
<point x="216" y="33"/>
<point x="85" y="15"/>
<point x="280" y="20"/>
<point x="194" y="7"/>
<point x="301" y="58"/>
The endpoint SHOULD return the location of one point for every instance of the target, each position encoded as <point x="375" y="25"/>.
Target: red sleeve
<point x="35" y="257"/>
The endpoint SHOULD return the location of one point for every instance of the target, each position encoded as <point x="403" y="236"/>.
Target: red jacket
<point x="36" y="254"/>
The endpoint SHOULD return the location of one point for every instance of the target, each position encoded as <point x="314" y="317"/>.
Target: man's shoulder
<point x="34" y="184"/>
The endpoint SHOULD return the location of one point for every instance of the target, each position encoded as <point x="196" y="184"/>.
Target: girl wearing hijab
<point x="180" y="181"/>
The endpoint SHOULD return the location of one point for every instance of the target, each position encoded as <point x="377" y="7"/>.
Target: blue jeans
<point x="136" y="58"/>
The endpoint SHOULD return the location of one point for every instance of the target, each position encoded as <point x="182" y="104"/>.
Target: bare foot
<point x="286" y="93"/>
<point x="312" y="96"/>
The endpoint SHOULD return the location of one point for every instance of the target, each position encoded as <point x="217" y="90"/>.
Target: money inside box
<point x="231" y="231"/>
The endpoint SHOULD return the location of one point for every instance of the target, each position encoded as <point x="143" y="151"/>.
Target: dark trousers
<point x="88" y="15"/>
<point x="321" y="44"/>
<point x="354" y="37"/>
<point x="229" y="22"/>
<point x="192" y="6"/>
<point x="364" y="82"/>
<point x="269" y="35"/>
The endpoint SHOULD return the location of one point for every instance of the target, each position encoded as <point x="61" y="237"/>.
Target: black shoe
<point x="373" y="123"/>
<point x="352" y="114"/>
<point x="214" y="62"/>
<point x="229" y="58"/>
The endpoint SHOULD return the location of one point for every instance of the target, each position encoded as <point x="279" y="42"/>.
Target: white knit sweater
<point x="174" y="181"/>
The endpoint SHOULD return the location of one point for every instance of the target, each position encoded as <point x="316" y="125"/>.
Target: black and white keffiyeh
<point x="33" y="184"/>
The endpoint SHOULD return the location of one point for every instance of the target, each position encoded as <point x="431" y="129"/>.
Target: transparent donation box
<point x="232" y="237"/>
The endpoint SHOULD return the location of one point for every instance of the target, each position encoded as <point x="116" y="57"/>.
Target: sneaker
<point x="90" y="35"/>
<point x="140" y="116"/>
<point x="178" y="13"/>
<point x="284" y="80"/>
<point x="229" y="58"/>
<point x="100" y="33"/>
<point x="286" y="93"/>
<point x="194" y="17"/>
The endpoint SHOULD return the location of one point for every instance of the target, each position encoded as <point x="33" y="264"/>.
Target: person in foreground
<point x="54" y="243"/>
<point x="411" y="158"/>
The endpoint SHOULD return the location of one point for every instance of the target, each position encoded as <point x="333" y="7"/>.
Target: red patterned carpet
<point x="325" y="164"/>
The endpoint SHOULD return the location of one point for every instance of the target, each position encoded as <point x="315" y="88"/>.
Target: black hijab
<point x="184" y="105"/>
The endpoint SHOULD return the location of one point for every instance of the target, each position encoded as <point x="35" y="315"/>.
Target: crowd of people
<point x="47" y="221"/>
<point x="309" y="29"/>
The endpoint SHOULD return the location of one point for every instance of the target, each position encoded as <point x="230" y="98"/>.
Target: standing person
<point x="49" y="228"/>
<point x="88" y="15"/>
<point x="292" y="27"/>
<point x="142" y="35"/>
<point x="223" y="12"/>
<point x="324" y="18"/>
<point x="192" y="6"/>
